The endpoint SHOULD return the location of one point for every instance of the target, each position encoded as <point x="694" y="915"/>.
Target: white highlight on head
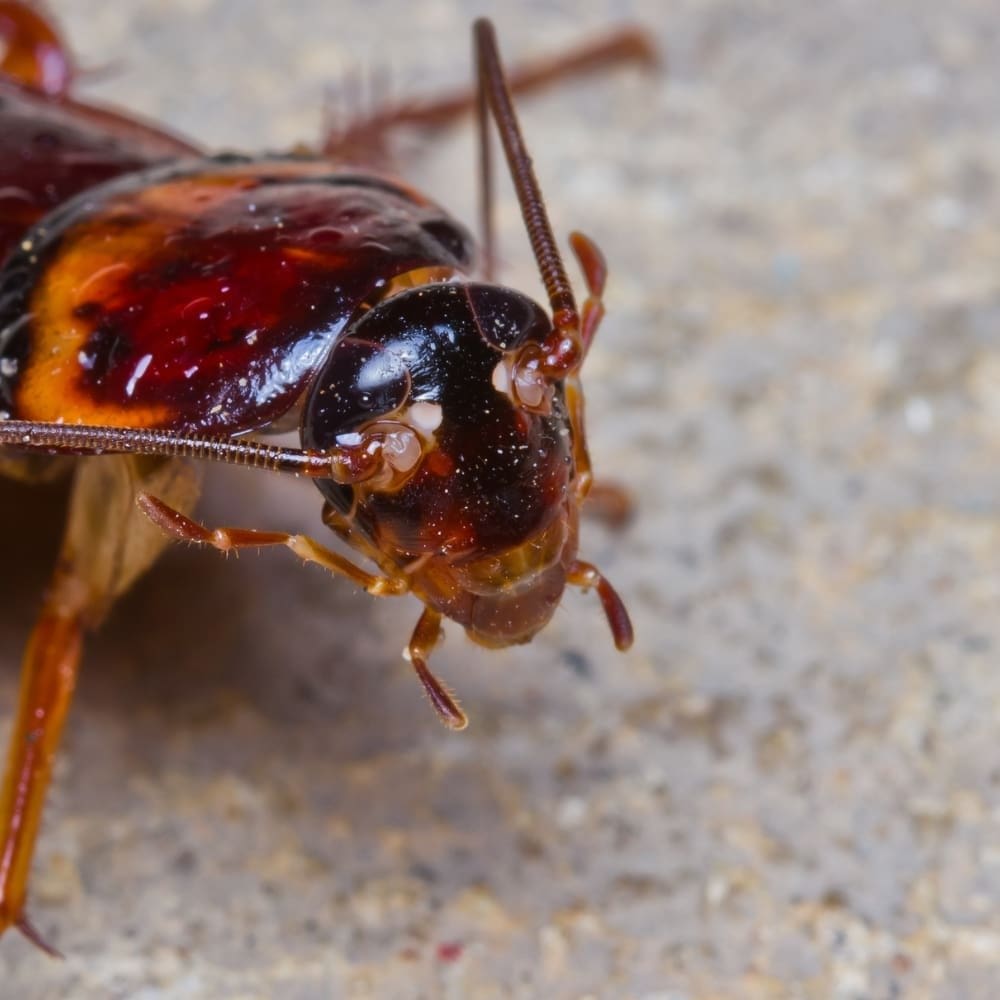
<point x="425" y="417"/>
<point x="501" y="377"/>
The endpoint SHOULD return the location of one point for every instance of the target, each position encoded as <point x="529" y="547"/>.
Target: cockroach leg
<point x="610" y="503"/>
<point x="592" y="263"/>
<point x="343" y="526"/>
<point x="185" y="529"/>
<point x="584" y="480"/>
<point x="364" y="137"/>
<point x="426" y="636"/>
<point x="48" y="676"/>
<point x="595" y="275"/>
<point x="584" y="575"/>
<point x="607" y="501"/>
<point x="105" y="547"/>
<point x="34" y="935"/>
<point x="368" y="131"/>
<point x="34" y="54"/>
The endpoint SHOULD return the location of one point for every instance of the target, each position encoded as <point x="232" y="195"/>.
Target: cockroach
<point x="159" y="304"/>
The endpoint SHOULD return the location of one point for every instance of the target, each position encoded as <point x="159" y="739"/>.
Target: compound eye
<point x="360" y="382"/>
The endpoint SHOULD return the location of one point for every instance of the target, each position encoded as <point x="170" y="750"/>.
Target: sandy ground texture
<point x="789" y="788"/>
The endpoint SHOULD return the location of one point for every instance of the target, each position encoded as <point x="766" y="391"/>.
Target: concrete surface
<point x="790" y="787"/>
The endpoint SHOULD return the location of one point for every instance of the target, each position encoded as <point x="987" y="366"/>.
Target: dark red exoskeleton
<point x="158" y="305"/>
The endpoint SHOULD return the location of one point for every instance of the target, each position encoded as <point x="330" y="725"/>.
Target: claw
<point x="34" y="935"/>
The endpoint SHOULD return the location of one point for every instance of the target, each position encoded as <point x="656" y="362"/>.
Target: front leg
<point x="426" y="635"/>
<point x="185" y="529"/>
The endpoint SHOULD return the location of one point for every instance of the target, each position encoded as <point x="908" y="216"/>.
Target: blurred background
<point x="789" y="787"/>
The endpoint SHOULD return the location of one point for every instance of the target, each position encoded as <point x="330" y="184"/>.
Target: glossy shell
<point x="203" y="296"/>
<point x="52" y="149"/>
